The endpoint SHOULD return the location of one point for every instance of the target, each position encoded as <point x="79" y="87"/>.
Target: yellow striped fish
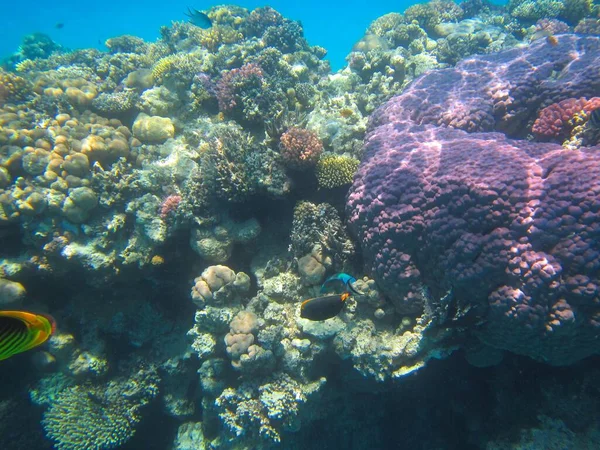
<point x="21" y="331"/>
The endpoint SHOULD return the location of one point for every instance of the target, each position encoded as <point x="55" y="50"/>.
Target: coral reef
<point x="335" y="170"/>
<point x="300" y="148"/>
<point x="507" y="233"/>
<point x="225" y="155"/>
<point x="99" y="417"/>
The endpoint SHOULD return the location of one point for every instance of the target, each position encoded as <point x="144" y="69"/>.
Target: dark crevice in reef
<point x="449" y="405"/>
<point x="147" y="437"/>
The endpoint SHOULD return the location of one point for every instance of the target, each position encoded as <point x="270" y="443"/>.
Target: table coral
<point x="509" y="226"/>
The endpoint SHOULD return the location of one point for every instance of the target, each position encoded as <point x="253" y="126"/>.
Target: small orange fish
<point x="552" y="40"/>
<point x="21" y="331"/>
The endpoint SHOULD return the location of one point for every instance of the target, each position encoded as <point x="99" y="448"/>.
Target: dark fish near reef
<point x="322" y="308"/>
<point x="343" y="280"/>
<point x="21" y="331"/>
<point x="595" y="118"/>
<point x="58" y="26"/>
<point x="198" y="18"/>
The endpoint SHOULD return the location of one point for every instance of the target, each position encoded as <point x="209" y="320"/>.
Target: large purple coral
<point x="443" y="202"/>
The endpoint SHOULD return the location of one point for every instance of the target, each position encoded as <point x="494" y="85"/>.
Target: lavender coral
<point x="509" y="227"/>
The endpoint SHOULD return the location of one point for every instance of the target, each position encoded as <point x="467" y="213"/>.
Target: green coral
<point x="576" y="10"/>
<point x="180" y="64"/>
<point x="428" y="15"/>
<point x="532" y="10"/>
<point x="336" y="170"/>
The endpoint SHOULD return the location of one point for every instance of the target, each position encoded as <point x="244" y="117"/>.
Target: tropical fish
<point x="59" y="25"/>
<point x="343" y="280"/>
<point x="21" y="331"/>
<point x="322" y="308"/>
<point x="198" y="18"/>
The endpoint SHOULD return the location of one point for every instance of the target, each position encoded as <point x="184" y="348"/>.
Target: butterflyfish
<point x="343" y="281"/>
<point x="322" y="308"/>
<point x="21" y="331"/>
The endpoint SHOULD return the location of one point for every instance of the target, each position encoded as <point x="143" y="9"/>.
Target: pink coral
<point x="228" y="87"/>
<point x="300" y="148"/>
<point x="551" y="26"/>
<point x="169" y="204"/>
<point x="510" y="227"/>
<point x="555" y="121"/>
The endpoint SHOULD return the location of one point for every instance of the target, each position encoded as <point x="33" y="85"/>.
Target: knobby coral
<point x="300" y="148"/>
<point x="510" y="227"/>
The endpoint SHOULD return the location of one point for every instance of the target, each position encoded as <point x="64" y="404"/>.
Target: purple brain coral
<point x="449" y="198"/>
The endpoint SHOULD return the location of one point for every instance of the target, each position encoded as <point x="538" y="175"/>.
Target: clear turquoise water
<point x="335" y="25"/>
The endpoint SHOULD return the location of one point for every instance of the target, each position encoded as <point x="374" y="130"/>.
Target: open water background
<point x="335" y="25"/>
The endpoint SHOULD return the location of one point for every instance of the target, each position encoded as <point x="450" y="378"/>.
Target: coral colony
<point x="214" y="179"/>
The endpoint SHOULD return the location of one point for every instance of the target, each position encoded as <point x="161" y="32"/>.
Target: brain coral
<point x="511" y="227"/>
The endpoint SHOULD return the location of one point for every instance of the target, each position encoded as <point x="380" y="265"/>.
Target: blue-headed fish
<point x="21" y="331"/>
<point x="198" y="18"/>
<point x="322" y="308"/>
<point x="342" y="280"/>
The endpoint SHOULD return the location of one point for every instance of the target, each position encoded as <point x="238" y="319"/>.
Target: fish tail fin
<point x="52" y="321"/>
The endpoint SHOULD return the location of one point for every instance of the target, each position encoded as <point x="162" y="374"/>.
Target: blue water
<point x="335" y="25"/>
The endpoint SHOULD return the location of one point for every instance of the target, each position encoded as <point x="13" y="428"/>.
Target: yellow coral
<point x="215" y="36"/>
<point x="179" y="62"/>
<point x="13" y="87"/>
<point x="335" y="170"/>
<point x="25" y="65"/>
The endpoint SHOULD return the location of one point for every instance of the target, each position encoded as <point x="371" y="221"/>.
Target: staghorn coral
<point x="335" y="170"/>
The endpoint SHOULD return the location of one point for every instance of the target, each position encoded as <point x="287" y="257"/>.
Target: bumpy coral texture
<point x="510" y="226"/>
<point x="300" y="148"/>
<point x="556" y="120"/>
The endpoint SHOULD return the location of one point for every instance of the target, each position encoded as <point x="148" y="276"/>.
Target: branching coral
<point x="13" y="87"/>
<point x="99" y="417"/>
<point x="237" y="83"/>
<point x="262" y="412"/>
<point x="300" y="148"/>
